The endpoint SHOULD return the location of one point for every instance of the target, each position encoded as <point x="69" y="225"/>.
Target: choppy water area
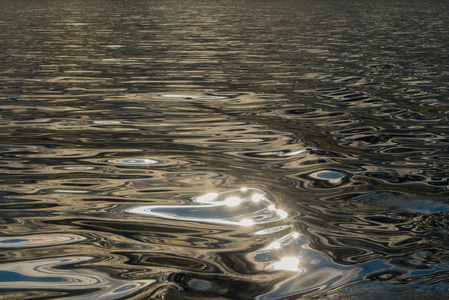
<point x="224" y="149"/>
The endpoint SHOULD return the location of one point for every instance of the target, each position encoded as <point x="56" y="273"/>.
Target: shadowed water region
<point x="224" y="149"/>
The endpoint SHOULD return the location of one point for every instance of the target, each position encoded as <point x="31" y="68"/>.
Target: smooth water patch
<point x="400" y="203"/>
<point x="330" y="176"/>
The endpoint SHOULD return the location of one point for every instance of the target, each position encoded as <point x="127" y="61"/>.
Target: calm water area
<point x="224" y="149"/>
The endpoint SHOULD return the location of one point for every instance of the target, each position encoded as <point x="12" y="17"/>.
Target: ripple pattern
<point x="128" y="129"/>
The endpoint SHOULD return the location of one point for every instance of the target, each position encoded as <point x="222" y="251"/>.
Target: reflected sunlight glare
<point x="287" y="264"/>
<point x="246" y="222"/>
<point x="233" y="201"/>
<point x="274" y="245"/>
<point x="257" y="197"/>
<point x="282" y="213"/>
<point x="206" y="198"/>
<point x="243" y="207"/>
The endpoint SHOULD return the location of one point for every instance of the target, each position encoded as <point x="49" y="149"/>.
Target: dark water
<point x="224" y="149"/>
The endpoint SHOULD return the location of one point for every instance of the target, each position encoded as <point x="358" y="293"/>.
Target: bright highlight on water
<point x="228" y="150"/>
<point x="246" y="207"/>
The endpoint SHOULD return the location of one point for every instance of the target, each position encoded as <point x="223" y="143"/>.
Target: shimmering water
<point x="224" y="149"/>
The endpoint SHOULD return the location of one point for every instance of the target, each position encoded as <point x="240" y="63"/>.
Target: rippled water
<point x="224" y="149"/>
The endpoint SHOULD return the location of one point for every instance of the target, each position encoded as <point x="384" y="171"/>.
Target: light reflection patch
<point x="244" y="207"/>
<point x="288" y="264"/>
<point x="134" y="161"/>
<point x="283" y="253"/>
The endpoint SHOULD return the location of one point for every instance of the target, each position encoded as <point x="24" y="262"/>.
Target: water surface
<point x="224" y="149"/>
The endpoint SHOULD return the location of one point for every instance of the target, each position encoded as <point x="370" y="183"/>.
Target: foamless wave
<point x="201" y="97"/>
<point x="45" y="274"/>
<point x="244" y="207"/>
<point x="38" y="240"/>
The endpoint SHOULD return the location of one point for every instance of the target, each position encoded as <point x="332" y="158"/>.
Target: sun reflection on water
<point x="243" y="207"/>
<point x="246" y="222"/>
<point x="233" y="201"/>
<point x="280" y="246"/>
<point x="288" y="264"/>
<point x="206" y="198"/>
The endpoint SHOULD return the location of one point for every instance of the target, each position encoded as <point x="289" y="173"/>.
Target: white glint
<point x="282" y="213"/>
<point x="257" y="197"/>
<point x="288" y="264"/>
<point x="176" y="96"/>
<point x="243" y="189"/>
<point x="295" y="153"/>
<point x="233" y="201"/>
<point x="226" y="208"/>
<point x="206" y="198"/>
<point x="107" y="122"/>
<point x="295" y="235"/>
<point x="135" y="161"/>
<point x="246" y="222"/>
<point x="274" y="245"/>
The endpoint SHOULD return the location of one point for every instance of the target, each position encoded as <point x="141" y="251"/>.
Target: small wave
<point x="38" y="240"/>
<point x="46" y="274"/>
<point x="244" y="207"/>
